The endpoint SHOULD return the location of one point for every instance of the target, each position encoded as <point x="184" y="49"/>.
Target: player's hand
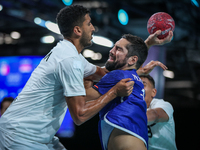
<point x="100" y="72"/>
<point x="88" y="83"/>
<point x="124" y="87"/>
<point x="150" y="66"/>
<point x="154" y="40"/>
<point x="105" y="70"/>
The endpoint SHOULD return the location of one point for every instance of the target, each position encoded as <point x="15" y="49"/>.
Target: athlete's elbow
<point x="79" y="120"/>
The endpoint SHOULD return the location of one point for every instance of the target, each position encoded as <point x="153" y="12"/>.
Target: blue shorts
<point x="105" y="129"/>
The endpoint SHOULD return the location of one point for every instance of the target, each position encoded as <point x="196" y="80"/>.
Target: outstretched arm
<point x="154" y="40"/>
<point x="149" y="67"/>
<point x="156" y="115"/>
<point x="81" y="110"/>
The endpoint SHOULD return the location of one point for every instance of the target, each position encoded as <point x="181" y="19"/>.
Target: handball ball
<point x="160" y="21"/>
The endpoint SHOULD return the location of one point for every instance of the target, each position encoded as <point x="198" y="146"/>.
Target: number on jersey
<point x="47" y="56"/>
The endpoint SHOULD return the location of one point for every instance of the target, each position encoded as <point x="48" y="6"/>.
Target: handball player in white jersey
<point x="36" y="114"/>
<point x="161" y="126"/>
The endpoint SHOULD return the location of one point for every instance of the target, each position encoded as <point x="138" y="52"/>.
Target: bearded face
<point x="85" y="40"/>
<point x="87" y="32"/>
<point x="115" y="64"/>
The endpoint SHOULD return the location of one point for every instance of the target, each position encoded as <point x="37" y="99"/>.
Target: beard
<point x="115" y="65"/>
<point x="85" y="40"/>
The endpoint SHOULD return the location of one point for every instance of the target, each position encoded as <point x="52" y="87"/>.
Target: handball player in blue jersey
<point x="123" y="121"/>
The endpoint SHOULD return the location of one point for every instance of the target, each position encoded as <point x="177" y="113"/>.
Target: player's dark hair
<point x="136" y="47"/>
<point x="69" y="17"/>
<point x="151" y="80"/>
<point x="6" y="99"/>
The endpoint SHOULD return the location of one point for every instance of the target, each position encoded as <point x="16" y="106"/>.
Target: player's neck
<point x="76" y="43"/>
<point x="129" y="67"/>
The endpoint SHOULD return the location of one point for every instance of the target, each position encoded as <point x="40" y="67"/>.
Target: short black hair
<point x="69" y="17"/>
<point x="149" y="78"/>
<point x="136" y="47"/>
<point x="6" y="99"/>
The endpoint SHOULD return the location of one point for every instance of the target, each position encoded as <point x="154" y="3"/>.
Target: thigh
<point x="120" y="140"/>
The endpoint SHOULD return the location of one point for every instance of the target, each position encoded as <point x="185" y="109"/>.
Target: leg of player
<point x="120" y="140"/>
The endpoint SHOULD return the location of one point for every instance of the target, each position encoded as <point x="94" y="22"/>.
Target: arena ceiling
<point x="182" y="54"/>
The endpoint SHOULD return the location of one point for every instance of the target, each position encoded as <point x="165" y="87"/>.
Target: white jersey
<point x="162" y="134"/>
<point x="38" y="111"/>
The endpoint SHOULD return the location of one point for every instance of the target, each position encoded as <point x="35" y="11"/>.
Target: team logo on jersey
<point x="15" y="99"/>
<point x="137" y="78"/>
<point x="122" y="99"/>
<point x="143" y="93"/>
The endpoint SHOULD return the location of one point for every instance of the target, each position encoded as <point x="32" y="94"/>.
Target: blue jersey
<point x="125" y="113"/>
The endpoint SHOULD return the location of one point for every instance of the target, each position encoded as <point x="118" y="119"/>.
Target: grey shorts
<point x="13" y="142"/>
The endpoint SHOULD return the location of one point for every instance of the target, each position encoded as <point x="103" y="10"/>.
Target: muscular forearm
<point x="81" y="110"/>
<point x="92" y="107"/>
<point x="149" y="67"/>
<point x="140" y="71"/>
<point x="156" y="115"/>
<point x="147" y="44"/>
<point x="151" y="116"/>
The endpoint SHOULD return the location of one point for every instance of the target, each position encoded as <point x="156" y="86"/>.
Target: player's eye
<point x="119" y="48"/>
<point x="89" y="23"/>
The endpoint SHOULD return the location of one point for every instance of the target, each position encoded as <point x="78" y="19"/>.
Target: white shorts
<point x="13" y="142"/>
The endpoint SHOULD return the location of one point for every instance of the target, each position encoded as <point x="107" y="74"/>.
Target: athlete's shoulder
<point x="112" y="77"/>
<point x="116" y="74"/>
<point x="157" y="100"/>
<point x="65" y="49"/>
<point x="134" y="76"/>
<point x="161" y="103"/>
<point x="117" y="71"/>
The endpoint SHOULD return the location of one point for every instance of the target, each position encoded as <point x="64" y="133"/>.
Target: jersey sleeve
<point x="108" y="81"/>
<point x="166" y="106"/>
<point x="89" y="68"/>
<point x="71" y="73"/>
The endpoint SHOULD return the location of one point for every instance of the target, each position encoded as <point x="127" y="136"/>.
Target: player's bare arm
<point x="100" y="72"/>
<point x="81" y="110"/>
<point x="156" y="115"/>
<point x="154" y="40"/>
<point x="149" y="67"/>
<point x="92" y="94"/>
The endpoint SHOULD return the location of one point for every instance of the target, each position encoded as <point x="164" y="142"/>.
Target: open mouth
<point x="111" y="58"/>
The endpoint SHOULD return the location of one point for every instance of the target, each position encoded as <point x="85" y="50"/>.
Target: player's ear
<point x="132" y="60"/>
<point x="153" y="93"/>
<point x="77" y="31"/>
